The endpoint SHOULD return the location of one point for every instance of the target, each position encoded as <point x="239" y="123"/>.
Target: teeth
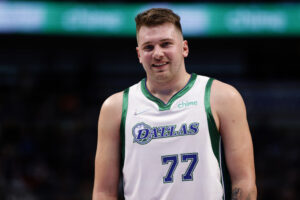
<point x="159" y="64"/>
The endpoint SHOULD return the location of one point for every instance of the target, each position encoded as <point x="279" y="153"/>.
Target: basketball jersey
<point x="171" y="151"/>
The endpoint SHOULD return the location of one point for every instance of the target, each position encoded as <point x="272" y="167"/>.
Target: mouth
<point x="160" y="64"/>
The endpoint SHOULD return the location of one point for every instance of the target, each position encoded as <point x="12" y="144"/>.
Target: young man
<point x="165" y="132"/>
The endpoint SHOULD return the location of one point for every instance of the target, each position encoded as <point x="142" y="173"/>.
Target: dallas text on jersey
<point x="143" y="133"/>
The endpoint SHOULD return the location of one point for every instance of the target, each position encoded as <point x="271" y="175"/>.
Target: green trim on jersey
<point x="216" y="142"/>
<point x="213" y="131"/>
<point x="122" y="128"/>
<point x="162" y="106"/>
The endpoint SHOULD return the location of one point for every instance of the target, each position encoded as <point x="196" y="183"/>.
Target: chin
<point x="162" y="77"/>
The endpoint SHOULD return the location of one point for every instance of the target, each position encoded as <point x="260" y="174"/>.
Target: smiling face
<point x="161" y="50"/>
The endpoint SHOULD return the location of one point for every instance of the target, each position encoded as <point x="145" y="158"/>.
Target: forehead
<point x="150" y="34"/>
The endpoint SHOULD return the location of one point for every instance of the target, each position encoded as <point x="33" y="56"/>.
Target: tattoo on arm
<point x="236" y="194"/>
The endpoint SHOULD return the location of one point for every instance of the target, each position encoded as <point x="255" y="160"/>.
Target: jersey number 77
<point x="173" y="159"/>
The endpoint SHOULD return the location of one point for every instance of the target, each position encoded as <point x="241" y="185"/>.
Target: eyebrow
<point x="162" y="40"/>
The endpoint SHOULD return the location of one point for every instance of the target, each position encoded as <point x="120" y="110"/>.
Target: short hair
<point x="157" y="16"/>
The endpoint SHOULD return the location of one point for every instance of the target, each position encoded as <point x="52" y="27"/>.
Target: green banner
<point x="198" y="20"/>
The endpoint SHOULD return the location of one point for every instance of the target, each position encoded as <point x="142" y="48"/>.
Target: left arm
<point x="229" y="112"/>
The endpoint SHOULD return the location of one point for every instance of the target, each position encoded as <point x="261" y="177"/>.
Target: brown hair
<point x="157" y="16"/>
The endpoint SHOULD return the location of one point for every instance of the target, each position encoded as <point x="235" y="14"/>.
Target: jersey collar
<point x="162" y="106"/>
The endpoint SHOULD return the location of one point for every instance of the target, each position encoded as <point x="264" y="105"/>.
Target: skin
<point x="107" y="159"/>
<point x="163" y="44"/>
<point x="229" y="112"/>
<point x="161" y="50"/>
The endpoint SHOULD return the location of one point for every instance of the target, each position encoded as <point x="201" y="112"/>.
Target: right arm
<point x="107" y="160"/>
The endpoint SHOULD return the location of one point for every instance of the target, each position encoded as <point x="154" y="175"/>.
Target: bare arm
<point x="230" y="115"/>
<point x="107" y="159"/>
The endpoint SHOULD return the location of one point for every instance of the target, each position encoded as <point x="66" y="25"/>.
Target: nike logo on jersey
<point x="140" y="112"/>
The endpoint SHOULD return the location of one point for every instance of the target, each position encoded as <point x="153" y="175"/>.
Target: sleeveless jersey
<point x="171" y="151"/>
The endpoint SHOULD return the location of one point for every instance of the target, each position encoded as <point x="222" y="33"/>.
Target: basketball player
<point x="167" y="132"/>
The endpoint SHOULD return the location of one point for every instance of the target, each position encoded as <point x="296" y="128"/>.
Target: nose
<point x="157" y="53"/>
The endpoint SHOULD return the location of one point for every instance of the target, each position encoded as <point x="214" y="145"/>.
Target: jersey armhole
<point x="122" y="127"/>
<point x="122" y="142"/>
<point x="213" y="131"/>
<point x="216" y="142"/>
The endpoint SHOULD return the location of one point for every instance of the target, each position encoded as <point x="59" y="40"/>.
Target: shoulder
<point x="223" y="93"/>
<point x="226" y="101"/>
<point x="113" y="101"/>
<point x="112" y="107"/>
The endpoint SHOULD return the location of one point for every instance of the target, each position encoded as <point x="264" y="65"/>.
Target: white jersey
<point x="171" y="151"/>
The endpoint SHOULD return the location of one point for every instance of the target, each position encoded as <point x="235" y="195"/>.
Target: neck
<point x="165" y="90"/>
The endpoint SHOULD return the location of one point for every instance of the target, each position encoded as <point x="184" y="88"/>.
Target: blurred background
<point x="59" y="60"/>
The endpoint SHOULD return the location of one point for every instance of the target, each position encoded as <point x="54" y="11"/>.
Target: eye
<point x="148" y="47"/>
<point x="166" y="44"/>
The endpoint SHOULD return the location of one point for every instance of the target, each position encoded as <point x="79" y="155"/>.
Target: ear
<point x="185" y="46"/>
<point x="138" y="54"/>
